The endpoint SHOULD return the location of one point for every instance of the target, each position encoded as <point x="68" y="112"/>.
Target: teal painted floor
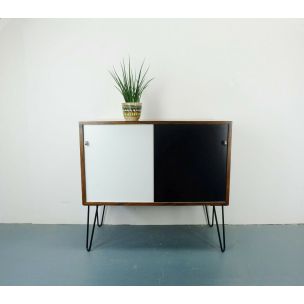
<point x="151" y="255"/>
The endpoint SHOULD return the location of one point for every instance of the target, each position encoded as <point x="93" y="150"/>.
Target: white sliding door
<point x="119" y="163"/>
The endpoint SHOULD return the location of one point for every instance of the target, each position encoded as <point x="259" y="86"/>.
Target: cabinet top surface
<point x="123" y="122"/>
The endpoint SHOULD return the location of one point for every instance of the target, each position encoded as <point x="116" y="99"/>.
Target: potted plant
<point x="131" y="85"/>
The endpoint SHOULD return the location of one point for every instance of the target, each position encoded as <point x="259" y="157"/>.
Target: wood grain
<point x="155" y="204"/>
<point x="153" y="122"/>
<point x="228" y="168"/>
<point x="82" y="164"/>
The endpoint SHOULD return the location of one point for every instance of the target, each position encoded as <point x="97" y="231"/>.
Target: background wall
<point x="54" y="73"/>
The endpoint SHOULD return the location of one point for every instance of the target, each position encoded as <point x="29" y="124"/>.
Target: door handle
<point x="86" y="143"/>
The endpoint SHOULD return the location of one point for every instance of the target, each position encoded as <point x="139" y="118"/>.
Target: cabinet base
<point x="222" y="239"/>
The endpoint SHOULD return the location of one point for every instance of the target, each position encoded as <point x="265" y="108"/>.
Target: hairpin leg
<point x="88" y="246"/>
<point x="207" y="215"/>
<point x="221" y="240"/>
<point x="102" y="217"/>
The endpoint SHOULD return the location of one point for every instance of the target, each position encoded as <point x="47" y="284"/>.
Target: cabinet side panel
<point x="82" y="164"/>
<point x="228" y="163"/>
<point x="119" y="163"/>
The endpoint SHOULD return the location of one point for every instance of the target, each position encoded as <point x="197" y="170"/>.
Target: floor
<point x="151" y="255"/>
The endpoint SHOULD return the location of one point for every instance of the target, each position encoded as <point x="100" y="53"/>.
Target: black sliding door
<point x="190" y="162"/>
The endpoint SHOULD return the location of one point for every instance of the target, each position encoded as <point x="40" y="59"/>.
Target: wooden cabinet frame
<point x="83" y="170"/>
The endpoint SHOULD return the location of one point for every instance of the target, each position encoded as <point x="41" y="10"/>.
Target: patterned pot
<point x="131" y="110"/>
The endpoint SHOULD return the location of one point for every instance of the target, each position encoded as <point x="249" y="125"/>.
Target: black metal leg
<point x="222" y="240"/>
<point x="102" y="217"/>
<point x="88" y="246"/>
<point x="207" y="215"/>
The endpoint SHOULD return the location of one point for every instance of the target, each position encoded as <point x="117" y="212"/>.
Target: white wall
<point x="54" y="73"/>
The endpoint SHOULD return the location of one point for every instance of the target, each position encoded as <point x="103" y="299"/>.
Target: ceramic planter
<point x="131" y="110"/>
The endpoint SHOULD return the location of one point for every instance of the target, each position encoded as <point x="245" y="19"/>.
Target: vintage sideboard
<point x="155" y="163"/>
